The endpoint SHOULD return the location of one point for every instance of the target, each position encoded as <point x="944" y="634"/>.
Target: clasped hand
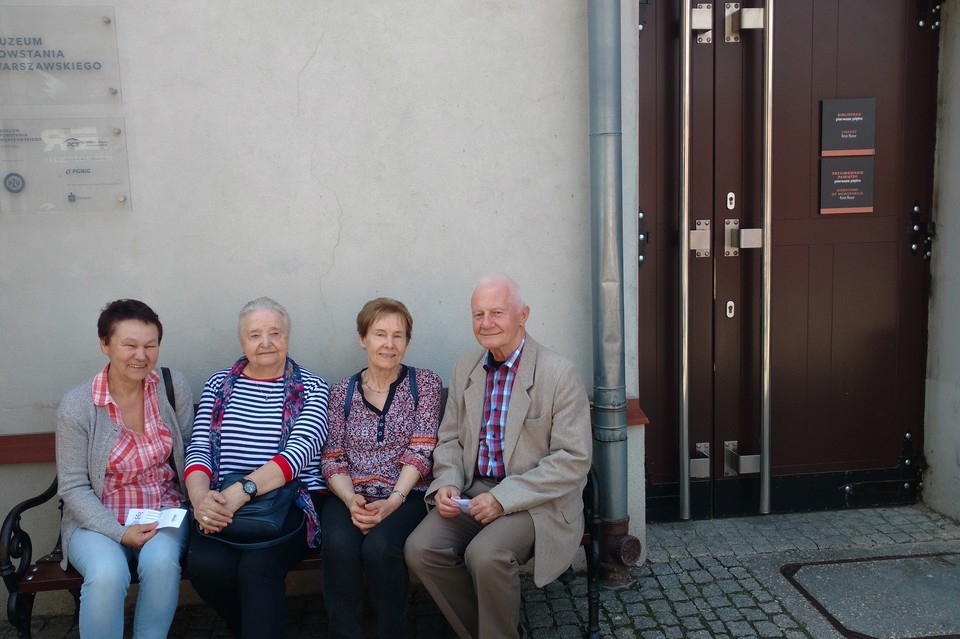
<point x="214" y="511"/>
<point x="365" y="515"/>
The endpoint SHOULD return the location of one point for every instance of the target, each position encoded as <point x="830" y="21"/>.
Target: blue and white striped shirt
<point x="250" y="432"/>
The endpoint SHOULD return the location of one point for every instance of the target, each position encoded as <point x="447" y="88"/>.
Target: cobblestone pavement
<point x="717" y="579"/>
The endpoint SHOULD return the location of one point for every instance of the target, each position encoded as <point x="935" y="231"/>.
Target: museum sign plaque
<point x="58" y="55"/>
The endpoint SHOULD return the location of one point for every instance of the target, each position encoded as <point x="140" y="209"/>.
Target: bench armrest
<point x="15" y="543"/>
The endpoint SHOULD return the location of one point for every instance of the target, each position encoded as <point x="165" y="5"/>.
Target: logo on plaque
<point x="14" y="182"/>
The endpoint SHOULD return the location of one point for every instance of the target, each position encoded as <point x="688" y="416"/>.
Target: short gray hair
<point x="263" y="304"/>
<point x="513" y="288"/>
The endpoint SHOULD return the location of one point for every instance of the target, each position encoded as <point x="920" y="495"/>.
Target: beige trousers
<point x="473" y="571"/>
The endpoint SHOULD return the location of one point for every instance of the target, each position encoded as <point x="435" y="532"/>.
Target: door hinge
<point x="928" y="14"/>
<point x="643" y="237"/>
<point x="921" y="233"/>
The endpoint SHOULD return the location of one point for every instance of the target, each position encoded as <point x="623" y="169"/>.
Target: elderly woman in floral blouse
<point x="377" y="458"/>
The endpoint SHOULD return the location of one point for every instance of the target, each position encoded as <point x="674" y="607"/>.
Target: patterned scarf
<point x="292" y="405"/>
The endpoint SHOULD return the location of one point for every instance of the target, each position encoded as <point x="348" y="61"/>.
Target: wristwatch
<point x="249" y="487"/>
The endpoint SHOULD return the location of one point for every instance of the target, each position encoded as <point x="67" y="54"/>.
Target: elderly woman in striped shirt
<point x="264" y="417"/>
<point x="119" y="445"/>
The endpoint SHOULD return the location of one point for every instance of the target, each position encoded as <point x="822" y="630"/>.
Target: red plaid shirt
<point x="138" y="475"/>
<point x="496" y="403"/>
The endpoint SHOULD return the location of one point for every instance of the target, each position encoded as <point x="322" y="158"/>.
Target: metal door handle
<point x="767" y="221"/>
<point x="687" y="18"/>
<point x="744" y="20"/>
<point x="735" y="19"/>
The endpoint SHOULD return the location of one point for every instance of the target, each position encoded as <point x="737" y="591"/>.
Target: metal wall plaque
<point x="58" y="55"/>
<point x="64" y="164"/>
<point x="848" y="127"/>
<point x="846" y="185"/>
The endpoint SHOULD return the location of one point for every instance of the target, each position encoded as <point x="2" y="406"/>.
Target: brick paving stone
<point x="784" y="621"/>
<point x="753" y="614"/>
<point x="740" y="629"/>
<point x="701" y="576"/>
<point x="767" y="629"/>
<point x="691" y="623"/>
<point x="729" y="586"/>
<point x="729" y="614"/>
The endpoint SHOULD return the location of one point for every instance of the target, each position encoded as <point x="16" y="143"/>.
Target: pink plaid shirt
<point x="138" y="475"/>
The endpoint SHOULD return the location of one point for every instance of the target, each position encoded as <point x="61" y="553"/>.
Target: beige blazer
<point x="547" y="449"/>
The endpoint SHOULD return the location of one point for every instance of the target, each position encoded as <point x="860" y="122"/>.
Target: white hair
<point x="263" y="304"/>
<point x="493" y="279"/>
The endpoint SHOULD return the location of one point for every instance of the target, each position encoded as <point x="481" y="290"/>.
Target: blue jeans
<point x="349" y="556"/>
<point x="105" y="566"/>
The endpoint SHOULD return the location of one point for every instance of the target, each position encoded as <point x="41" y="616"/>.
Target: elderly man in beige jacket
<point x="509" y="469"/>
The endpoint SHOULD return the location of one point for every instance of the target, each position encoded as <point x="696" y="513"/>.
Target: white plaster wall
<point x="942" y="437"/>
<point x="323" y="153"/>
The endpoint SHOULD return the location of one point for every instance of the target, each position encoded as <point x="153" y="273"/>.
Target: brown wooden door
<point x="848" y="295"/>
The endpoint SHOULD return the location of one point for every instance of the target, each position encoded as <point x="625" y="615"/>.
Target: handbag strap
<point x="168" y="384"/>
<point x="172" y="398"/>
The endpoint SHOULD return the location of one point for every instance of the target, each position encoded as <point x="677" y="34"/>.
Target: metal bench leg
<point x="593" y="590"/>
<point x="20" y="612"/>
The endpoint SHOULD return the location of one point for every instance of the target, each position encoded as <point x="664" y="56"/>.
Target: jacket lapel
<point x="519" y="399"/>
<point x="473" y="397"/>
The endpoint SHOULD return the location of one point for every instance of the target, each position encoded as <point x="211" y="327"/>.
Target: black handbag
<point x="266" y="520"/>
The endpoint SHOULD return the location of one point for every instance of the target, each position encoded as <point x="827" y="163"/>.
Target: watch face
<point x="249" y="487"/>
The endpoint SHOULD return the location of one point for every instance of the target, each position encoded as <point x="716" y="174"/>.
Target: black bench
<point x="25" y="579"/>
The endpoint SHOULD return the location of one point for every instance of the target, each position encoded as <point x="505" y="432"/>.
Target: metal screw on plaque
<point x="116" y="131"/>
<point x="122" y="199"/>
<point x="113" y="91"/>
<point x="106" y="20"/>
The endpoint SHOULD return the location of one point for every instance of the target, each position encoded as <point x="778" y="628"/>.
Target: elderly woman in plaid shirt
<point x="120" y="445"/>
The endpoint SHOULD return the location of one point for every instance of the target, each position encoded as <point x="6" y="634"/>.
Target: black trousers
<point x="247" y="588"/>
<point x="349" y="556"/>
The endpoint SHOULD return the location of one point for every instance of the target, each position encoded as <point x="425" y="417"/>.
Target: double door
<point x="782" y="329"/>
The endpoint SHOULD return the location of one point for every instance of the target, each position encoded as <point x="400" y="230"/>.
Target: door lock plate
<point x="736" y="18"/>
<point x="700" y="239"/>
<point x="735" y="238"/>
<point x="736" y="464"/>
<point x="701" y="21"/>
<point x="700" y="465"/>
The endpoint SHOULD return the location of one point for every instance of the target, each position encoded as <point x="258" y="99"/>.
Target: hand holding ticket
<point x="169" y="518"/>
<point x="464" y="504"/>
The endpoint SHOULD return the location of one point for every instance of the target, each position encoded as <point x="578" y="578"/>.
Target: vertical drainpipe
<point x="618" y="549"/>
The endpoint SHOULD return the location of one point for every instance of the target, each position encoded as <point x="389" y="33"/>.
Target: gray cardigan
<point x="85" y="437"/>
